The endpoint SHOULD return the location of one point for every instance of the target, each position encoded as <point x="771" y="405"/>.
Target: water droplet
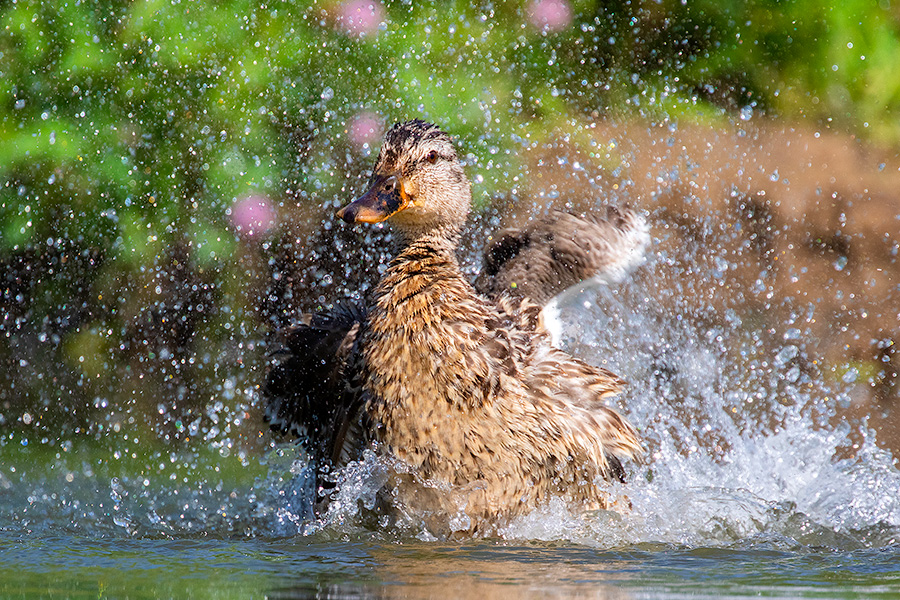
<point x="850" y="376"/>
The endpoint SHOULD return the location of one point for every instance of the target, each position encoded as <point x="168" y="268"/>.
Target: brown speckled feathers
<point x="463" y="388"/>
<point x="559" y="250"/>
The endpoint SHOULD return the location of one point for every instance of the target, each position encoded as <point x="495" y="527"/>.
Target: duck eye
<point x="432" y="156"/>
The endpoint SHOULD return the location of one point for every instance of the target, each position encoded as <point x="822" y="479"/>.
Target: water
<point x="749" y="489"/>
<point x="74" y="566"/>
<point x="236" y="116"/>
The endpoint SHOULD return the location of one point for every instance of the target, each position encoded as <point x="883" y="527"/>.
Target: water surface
<point x="77" y="566"/>
<point x="749" y="488"/>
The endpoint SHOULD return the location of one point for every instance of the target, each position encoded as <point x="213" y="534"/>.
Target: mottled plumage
<point x="560" y="250"/>
<point x="465" y="390"/>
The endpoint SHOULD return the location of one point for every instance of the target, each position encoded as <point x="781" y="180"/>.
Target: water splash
<point x="744" y="448"/>
<point x="741" y="442"/>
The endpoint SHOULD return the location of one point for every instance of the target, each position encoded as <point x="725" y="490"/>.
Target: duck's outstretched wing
<point x="580" y="390"/>
<point x="305" y="390"/>
<point x="560" y="250"/>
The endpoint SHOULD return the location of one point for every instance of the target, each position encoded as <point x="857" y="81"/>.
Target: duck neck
<point x="442" y="239"/>
<point x="422" y="262"/>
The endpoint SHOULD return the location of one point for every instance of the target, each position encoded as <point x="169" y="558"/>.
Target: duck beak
<point x="384" y="198"/>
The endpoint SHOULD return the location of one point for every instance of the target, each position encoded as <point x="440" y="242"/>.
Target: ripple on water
<point x="747" y="485"/>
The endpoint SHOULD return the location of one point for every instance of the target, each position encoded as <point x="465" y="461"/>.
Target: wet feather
<point x="462" y="386"/>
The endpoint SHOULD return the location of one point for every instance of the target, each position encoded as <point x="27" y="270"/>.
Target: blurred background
<point x="169" y="172"/>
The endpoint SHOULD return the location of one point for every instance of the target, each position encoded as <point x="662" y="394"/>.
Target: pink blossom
<point x="360" y="17"/>
<point x="365" y="128"/>
<point x="253" y="216"/>
<point x="550" y="15"/>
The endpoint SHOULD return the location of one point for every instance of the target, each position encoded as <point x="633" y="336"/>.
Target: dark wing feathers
<point x="305" y="386"/>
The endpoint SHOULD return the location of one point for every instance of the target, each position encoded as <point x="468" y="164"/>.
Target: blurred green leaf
<point x="129" y="129"/>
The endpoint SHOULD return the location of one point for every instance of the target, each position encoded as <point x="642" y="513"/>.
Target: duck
<point x="458" y="384"/>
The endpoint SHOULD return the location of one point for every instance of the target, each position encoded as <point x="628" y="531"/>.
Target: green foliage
<point x="129" y="129"/>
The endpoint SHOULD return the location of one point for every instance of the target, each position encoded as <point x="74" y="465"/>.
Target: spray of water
<point x="741" y="438"/>
<point x="743" y="447"/>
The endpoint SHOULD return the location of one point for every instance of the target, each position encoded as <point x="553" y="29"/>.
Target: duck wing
<point x="564" y="385"/>
<point x="560" y="250"/>
<point x="560" y="395"/>
<point x="306" y="389"/>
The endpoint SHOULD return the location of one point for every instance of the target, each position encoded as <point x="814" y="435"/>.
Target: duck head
<point x="417" y="182"/>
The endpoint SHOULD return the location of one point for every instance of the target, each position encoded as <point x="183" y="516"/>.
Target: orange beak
<point x="384" y="198"/>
